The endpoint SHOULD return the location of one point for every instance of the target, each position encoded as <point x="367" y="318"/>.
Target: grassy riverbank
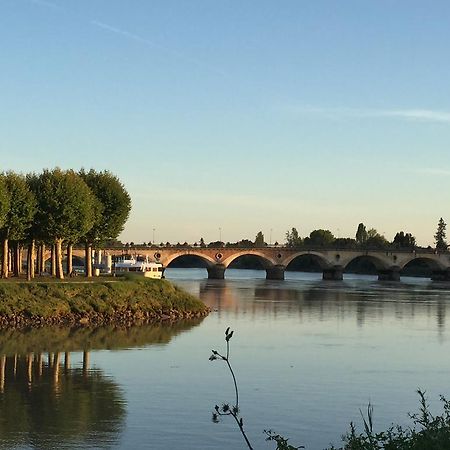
<point x="103" y="300"/>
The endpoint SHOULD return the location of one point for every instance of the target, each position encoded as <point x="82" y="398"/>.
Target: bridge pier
<point x="441" y="275"/>
<point x="216" y="272"/>
<point x="333" y="273"/>
<point x="275" y="272"/>
<point x="391" y="274"/>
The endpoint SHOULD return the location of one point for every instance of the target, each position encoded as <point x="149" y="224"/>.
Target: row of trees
<point x="55" y="208"/>
<point x="365" y="238"/>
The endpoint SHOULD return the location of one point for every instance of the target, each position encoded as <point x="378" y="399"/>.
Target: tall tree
<point x="361" y="234"/>
<point x="293" y="239"/>
<point x="404" y="240"/>
<point x="440" y="236"/>
<point x="259" y="240"/>
<point x="375" y="240"/>
<point x="321" y="238"/>
<point x="65" y="209"/>
<point x="112" y="210"/>
<point x="4" y="207"/>
<point x="22" y="208"/>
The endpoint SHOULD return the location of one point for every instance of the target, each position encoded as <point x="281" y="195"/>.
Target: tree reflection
<point x="110" y="337"/>
<point x="47" y="403"/>
<point x="43" y="406"/>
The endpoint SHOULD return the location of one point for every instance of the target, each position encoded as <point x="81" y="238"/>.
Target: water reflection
<point x="48" y="402"/>
<point x="327" y="301"/>
<point x="66" y="339"/>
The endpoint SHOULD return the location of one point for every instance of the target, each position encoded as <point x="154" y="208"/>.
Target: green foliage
<point x="293" y="239"/>
<point x="428" y="432"/>
<point x="22" y="207"/>
<point x="345" y="243"/>
<point x="361" y="234"/>
<point x="112" y="207"/>
<point x="259" y="240"/>
<point x="320" y="238"/>
<point x="404" y="240"/>
<point x="375" y="240"/>
<point x="282" y="442"/>
<point x="440" y="236"/>
<point x="4" y="201"/>
<point x="65" y="205"/>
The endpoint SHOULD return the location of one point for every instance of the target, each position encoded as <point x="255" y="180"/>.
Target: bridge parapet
<point x="276" y="259"/>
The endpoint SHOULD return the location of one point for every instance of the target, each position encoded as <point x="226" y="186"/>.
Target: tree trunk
<point x="69" y="259"/>
<point x="38" y="259"/>
<point x="58" y="254"/>
<point x="5" y="259"/>
<point x="53" y="261"/>
<point x="88" y="260"/>
<point x="30" y="261"/>
<point x="17" y="259"/>
<point x="42" y="261"/>
<point x="10" y="259"/>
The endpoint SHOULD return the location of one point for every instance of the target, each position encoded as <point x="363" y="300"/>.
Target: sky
<point x="223" y="118"/>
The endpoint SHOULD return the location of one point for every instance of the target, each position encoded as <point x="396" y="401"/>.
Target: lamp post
<point x="270" y="238"/>
<point x="220" y="234"/>
<point x="153" y="241"/>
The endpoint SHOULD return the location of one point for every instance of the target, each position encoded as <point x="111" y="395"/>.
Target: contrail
<point x="124" y="33"/>
<point x="46" y="4"/>
<point x="175" y="54"/>
<point x="135" y="37"/>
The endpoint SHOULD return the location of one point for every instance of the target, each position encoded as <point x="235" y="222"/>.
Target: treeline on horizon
<point x="55" y="208"/>
<point x="364" y="239"/>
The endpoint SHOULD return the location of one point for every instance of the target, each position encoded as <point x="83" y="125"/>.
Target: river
<point x="308" y="354"/>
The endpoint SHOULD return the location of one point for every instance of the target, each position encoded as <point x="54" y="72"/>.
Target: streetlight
<point x="220" y="234"/>
<point x="153" y="236"/>
<point x="270" y="239"/>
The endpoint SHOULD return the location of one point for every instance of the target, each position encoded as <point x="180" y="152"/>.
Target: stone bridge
<point x="275" y="260"/>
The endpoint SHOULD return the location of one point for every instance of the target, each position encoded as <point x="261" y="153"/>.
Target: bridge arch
<point x="321" y="259"/>
<point x="377" y="262"/>
<point x="265" y="261"/>
<point x="432" y="263"/>
<point x="209" y="262"/>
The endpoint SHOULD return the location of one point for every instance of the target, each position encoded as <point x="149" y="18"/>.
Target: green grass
<point x="107" y="296"/>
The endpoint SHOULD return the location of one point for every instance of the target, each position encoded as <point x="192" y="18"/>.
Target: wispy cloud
<point x="425" y="115"/>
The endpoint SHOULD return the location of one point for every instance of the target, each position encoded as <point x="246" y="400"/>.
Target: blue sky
<point x="243" y="116"/>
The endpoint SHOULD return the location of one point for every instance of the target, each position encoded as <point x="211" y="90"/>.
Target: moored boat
<point x="139" y="264"/>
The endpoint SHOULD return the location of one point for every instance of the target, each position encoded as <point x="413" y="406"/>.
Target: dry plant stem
<point x="226" y="409"/>
<point x="232" y="374"/>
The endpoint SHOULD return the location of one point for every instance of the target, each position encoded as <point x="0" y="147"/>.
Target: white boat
<point x="140" y="264"/>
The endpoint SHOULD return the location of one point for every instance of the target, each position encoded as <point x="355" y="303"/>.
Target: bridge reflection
<point x="323" y="302"/>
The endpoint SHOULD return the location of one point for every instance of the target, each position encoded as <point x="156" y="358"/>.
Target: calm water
<point x="308" y="354"/>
